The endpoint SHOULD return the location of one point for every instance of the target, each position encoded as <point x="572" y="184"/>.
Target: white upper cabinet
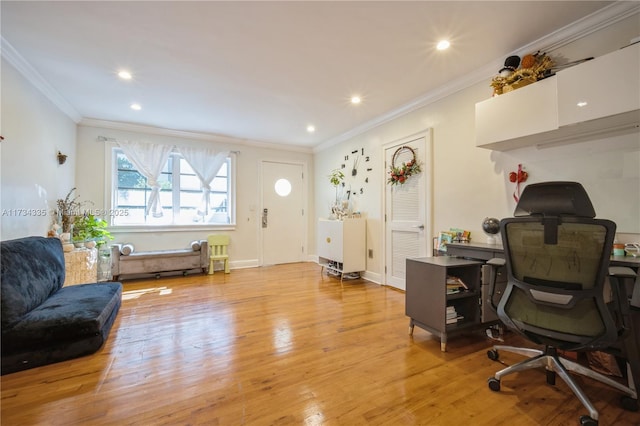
<point x="510" y="121"/>
<point x="597" y="98"/>
<point x="602" y="87"/>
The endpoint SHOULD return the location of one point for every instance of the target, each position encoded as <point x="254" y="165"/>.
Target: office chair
<point x="557" y="261"/>
<point x="218" y="251"/>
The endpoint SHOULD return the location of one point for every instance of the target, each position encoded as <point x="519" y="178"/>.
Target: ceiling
<point x="263" y="71"/>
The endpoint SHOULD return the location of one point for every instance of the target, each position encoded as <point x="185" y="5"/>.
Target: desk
<point x="629" y="261"/>
<point x="483" y="251"/>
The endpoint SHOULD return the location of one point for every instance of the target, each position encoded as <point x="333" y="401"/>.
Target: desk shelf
<point x="427" y="299"/>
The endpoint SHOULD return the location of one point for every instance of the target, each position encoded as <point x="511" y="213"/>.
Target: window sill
<point x="126" y="229"/>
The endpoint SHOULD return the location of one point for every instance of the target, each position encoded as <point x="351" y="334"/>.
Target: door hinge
<point x="302" y="212"/>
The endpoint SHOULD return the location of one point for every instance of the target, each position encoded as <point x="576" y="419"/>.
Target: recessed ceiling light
<point x="136" y="107"/>
<point x="443" y="45"/>
<point x="355" y="99"/>
<point x="311" y="128"/>
<point x="125" y="75"/>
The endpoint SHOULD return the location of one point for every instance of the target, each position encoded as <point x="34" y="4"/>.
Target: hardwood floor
<point x="285" y="345"/>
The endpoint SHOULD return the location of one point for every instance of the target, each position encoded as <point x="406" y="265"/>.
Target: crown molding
<point x="11" y="55"/>
<point x="603" y="18"/>
<point x="208" y="137"/>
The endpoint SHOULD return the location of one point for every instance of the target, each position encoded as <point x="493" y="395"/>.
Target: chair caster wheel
<point x="494" y="384"/>
<point x="157" y="276"/>
<point x="184" y="273"/>
<point x="629" y="403"/>
<point x="493" y="355"/>
<point x="588" y="421"/>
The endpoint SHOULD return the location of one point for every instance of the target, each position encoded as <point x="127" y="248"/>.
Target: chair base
<point x="560" y="366"/>
<point x="226" y="266"/>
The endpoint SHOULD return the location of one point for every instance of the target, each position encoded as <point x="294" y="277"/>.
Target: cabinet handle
<point x="328" y="239"/>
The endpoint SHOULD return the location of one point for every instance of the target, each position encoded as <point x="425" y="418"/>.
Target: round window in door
<point x="283" y="187"/>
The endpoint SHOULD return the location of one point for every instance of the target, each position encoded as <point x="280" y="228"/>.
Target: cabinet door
<point x="330" y="240"/>
<point x="354" y="247"/>
<point x="602" y="87"/>
<point x="527" y="111"/>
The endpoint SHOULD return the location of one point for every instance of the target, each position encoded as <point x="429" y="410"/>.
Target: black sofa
<point x="42" y="321"/>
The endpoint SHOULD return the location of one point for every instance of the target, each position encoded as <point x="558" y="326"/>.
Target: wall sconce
<point x="61" y="158"/>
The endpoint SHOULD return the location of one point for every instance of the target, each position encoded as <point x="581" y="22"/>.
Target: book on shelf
<point x="456" y="281"/>
<point x="452" y="316"/>
<point x="454" y="289"/>
<point x="454" y="319"/>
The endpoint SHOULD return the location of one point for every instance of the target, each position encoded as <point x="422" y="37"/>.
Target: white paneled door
<point x="408" y="219"/>
<point x="282" y="213"/>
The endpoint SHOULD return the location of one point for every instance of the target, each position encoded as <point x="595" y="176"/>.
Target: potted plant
<point x="336" y="177"/>
<point x="68" y="209"/>
<point x="91" y="228"/>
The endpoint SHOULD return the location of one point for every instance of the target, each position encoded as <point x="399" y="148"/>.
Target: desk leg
<point x="411" y="325"/>
<point x="443" y="342"/>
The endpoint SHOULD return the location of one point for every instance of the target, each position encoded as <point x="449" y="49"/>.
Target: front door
<point x="407" y="207"/>
<point x="282" y="213"/>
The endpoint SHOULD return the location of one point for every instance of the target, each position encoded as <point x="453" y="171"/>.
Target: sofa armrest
<point x="204" y="254"/>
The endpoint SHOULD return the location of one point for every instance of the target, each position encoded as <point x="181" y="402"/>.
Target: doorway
<point x="407" y="206"/>
<point x="282" y="213"/>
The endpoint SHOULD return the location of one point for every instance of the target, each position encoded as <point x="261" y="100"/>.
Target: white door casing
<point x="283" y="223"/>
<point x="407" y="208"/>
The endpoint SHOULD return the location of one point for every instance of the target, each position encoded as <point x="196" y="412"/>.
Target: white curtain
<point x="206" y="163"/>
<point x="149" y="159"/>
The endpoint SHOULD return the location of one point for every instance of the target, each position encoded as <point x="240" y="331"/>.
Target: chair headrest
<point x="555" y="199"/>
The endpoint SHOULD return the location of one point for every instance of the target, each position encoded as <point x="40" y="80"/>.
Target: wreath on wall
<point x="400" y="174"/>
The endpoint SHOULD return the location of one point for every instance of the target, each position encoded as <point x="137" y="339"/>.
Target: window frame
<point x="111" y="184"/>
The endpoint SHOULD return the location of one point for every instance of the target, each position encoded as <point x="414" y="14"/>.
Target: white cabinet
<point x="597" y="98"/>
<point x="510" y="120"/>
<point x="602" y="87"/>
<point x="342" y="245"/>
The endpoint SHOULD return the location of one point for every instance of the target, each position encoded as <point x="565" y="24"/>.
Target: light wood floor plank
<point x="284" y="345"/>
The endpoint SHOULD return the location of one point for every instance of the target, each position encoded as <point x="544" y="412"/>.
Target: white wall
<point x="92" y="176"/>
<point x="31" y="180"/>
<point x="472" y="183"/>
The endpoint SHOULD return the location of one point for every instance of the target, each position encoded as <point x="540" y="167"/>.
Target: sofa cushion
<point x="71" y="314"/>
<point x="32" y="269"/>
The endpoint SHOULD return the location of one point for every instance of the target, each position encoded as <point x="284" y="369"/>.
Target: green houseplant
<point x="336" y="177"/>
<point x="91" y="228"/>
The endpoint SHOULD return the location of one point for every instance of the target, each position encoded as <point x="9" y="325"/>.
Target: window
<point x="181" y="195"/>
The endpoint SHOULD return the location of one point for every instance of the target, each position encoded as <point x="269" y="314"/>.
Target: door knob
<point x="420" y="227"/>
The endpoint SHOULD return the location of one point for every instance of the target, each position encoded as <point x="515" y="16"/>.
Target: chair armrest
<point x="619" y="276"/>
<point x="496" y="262"/>
<point x="621" y="272"/>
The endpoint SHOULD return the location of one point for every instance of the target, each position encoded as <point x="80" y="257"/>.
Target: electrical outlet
<point x="370" y="253"/>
